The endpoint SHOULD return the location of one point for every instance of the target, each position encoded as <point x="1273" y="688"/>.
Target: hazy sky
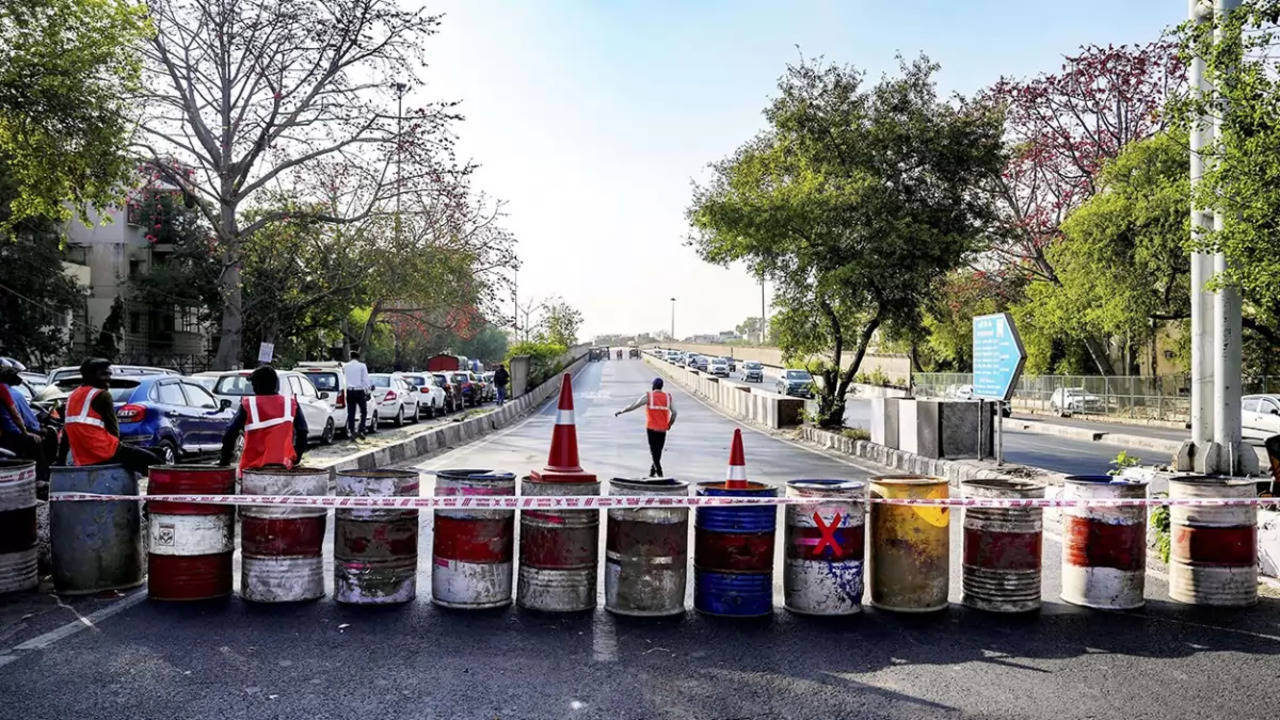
<point x="591" y="119"/>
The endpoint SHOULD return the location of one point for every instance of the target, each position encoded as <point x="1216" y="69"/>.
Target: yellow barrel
<point x="909" y="558"/>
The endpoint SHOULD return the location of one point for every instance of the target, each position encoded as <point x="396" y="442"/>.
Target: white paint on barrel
<point x="468" y="585"/>
<point x="281" y="579"/>
<point x="289" y="576"/>
<point x="184" y="535"/>
<point x="18" y="566"/>
<point x="1213" y="559"/>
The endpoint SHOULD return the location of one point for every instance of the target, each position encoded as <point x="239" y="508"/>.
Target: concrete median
<point x="751" y="405"/>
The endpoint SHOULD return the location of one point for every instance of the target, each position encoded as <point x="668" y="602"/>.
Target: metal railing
<point x="1162" y="397"/>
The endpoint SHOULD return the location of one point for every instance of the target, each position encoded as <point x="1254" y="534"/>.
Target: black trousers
<point x="134" y="459"/>
<point x="356" y="399"/>
<point x="657" y="439"/>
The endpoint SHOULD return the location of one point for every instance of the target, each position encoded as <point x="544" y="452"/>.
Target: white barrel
<point x="1213" y="551"/>
<point x="280" y="546"/>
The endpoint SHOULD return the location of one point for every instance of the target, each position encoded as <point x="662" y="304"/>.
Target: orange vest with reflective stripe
<point x="658" y="413"/>
<point x="86" y="433"/>
<point x="268" y="431"/>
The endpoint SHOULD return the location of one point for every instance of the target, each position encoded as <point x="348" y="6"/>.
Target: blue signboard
<point x="998" y="356"/>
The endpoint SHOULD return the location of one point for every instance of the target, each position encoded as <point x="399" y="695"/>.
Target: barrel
<point x="280" y="546"/>
<point x="646" y="550"/>
<point x="375" y="550"/>
<point x="95" y="546"/>
<point x="189" y="545"/>
<point x="822" y="572"/>
<point x="1104" y="551"/>
<point x="18" y="562"/>
<point x="733" y="552"/>
<point x="1002" y="547"/>
<point x="472" y="551"/>
<point x="909" y="562"/>
<point x="1213" y="551"/>
<point x="559" y="551"/>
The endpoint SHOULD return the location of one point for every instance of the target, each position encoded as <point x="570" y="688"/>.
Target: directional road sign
<point x="998" y="356"/>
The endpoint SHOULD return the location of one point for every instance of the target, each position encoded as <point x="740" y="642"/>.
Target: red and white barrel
<point x="559" y="550"/>
<point x="1213" y="553"/>
<point x="472" y="550"/>
<point x="280" y="546"/>
<point x="1002" y="547"/>
<point x="375" y="550"/>
<point x="189" y="545"/>
<point x="18" y="561"/>
<point x="822" y="574"/>
<point x="1104" y="551"/>
<point x="646" y="550"/>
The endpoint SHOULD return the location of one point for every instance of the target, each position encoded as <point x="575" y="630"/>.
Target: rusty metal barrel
<point x="472" y="551"/>
<point x="559" y="550"/>
<point x="733" y="552"/>
<point x="95" y="546"/>
<point x="909" y="561"/>
<point x="280" y="546"/>
<point x="1213" y="555"/>
<point x="18" y="561"/>
<point x="1104" y="550"/>
<point x="646" y="550"/>
<point x="375" y="550"/>
<point x="1002" y="547"/>
<point x="189" y="545"/>
<point x="822" y="573"/>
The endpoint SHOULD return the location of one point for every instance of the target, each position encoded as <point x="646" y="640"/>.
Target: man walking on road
<point x="660" y="415"/>
<point x="359" y="385"/>
<point x="500" y="379"/>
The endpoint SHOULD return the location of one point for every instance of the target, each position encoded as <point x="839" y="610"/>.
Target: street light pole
<point x="673" y="319"/>
<point x="762" y="316"/>
<point x="400" y="89"/>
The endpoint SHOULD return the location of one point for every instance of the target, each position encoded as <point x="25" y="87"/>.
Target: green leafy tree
<point x="560" y="323"/>
<point x="66" y="67"/>
<point x="854" y="202"/>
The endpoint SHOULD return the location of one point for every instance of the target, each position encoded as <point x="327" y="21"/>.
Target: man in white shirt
<point x="359" y="385"/>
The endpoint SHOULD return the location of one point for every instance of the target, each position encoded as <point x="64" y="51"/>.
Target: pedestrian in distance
<point x="359" y="387"/>
<point x="20" y="430"/>
<point x="500" y="379"/>
<point x="660" y="415"/>
<point x="91" y="433"/>
<point x="275" y="431"/>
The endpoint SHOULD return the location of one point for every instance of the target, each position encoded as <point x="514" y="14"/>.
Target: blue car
<point x="172" y="416"/>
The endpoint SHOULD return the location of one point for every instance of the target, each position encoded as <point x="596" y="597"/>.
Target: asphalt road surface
<point x="319" y="660"/>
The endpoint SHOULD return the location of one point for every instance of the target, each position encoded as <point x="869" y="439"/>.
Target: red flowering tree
<point x="1060" y="129"/>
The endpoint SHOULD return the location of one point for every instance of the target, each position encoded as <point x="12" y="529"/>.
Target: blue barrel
<point x="733" y="553"/>
<point x="96" y="546"/>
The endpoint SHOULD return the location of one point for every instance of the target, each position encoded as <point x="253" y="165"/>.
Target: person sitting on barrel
<point x="275" y="431"/>
<point x="90" y="431"/>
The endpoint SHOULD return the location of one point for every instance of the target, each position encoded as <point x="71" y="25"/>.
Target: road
<point x="234" y="660"/>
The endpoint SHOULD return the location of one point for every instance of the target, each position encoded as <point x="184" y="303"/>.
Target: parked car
<point x="395" y="399"/>
<point x="65" y="379"/>
<point x="796" y="383"/>
<point x="173" y="416"/>
<point x="718" y="367"/>
<point x="633" y="353"/>
<point x="753" y="371"/>
<point x="482" y="387"/>
<point x="490" y="391"/>
<point x="425" y="384"/>
<point x="34" y="380"/>
<point x="452" y="392"/>
<point x="329" y="379"/>
<point x="316" y="406"/>
<point x="733" y="364"/>
<point x="1259" y="416"/>
<point x="698" y="362"/>
<point x="1066" y="401"/>
<point x="468" y="389"/>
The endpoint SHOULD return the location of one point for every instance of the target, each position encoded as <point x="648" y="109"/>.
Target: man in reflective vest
<point x="660" y="415"/>
<point x="91" y="432"/>
<point x="275" y="431"/>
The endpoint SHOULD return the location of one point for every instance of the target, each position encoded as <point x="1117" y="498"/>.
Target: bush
<point x="545" y="359"/>
<point x="856" y="433"/>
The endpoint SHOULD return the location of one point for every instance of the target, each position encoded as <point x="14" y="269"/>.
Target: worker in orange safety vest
<point x="660" y="415"/>
<point x="275" y="431"/>
<point x="91" y="432"/>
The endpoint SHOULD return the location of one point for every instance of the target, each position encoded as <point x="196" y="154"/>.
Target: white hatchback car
<point x="234" y="385"/>
<point x="394" y="399"/>
<point x="431" y="400"/>
<point x="1259" y="416"/>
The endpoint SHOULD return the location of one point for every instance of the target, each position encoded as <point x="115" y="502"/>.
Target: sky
<point x="592" y="120"/>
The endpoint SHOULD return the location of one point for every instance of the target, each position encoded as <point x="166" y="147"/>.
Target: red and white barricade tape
<point x="505" y="502"/>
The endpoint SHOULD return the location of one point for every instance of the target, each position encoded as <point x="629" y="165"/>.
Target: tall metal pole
<point x="673" y="319"/>
<point x="762" y="315"/>
<point x="400" y="89"/>
<point x="1202" y="317"/>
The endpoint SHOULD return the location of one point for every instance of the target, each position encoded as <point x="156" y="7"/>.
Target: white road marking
<point x="82" y="622"/>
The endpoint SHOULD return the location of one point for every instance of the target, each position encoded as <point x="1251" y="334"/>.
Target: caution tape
<point x="604" y="502"/>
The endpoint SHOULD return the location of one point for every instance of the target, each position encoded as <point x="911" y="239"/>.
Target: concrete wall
<point x="896" y="367"/>
<point x="751" y="405"/>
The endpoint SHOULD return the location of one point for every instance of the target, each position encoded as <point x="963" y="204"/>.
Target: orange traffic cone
<point x="736" y="477"/>
<point x="562" y="461"/>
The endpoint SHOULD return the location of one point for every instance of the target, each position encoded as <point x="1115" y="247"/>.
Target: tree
<point x="1242" y="166"/>
<point x="944" y="342"/>
<point x="560" y="323"/>
<point x="255" y="95"/>
<point x="66" y="67"/>
<point x="853" y="202"/>
<point x="1061" y="129"/>
<point x="749" y="328"/>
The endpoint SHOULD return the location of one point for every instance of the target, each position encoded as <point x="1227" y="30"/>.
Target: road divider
<point x="751" y="405"/>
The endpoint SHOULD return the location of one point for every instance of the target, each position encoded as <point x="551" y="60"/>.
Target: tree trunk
<point x="230" y="338"/>
<point x="1098" y="353"/>
<point x="366" y="335"/>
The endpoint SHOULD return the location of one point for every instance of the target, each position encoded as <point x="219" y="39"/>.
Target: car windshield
<point x="799" y="375"/>
<point x="122" y="389"/>
<point x="460" y="378"/>
<point x="233" y="385"/>
<point x="441" y="380"/>
<point x="752" y="365"/>
<point x="324" y="381"/>
<point x="381" y="380"/>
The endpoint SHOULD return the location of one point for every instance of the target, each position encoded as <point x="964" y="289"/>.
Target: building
<point x="106" y="255"/>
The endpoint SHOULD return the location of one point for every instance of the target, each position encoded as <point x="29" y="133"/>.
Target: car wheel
<point x="168" y="453"/>
<point x="326" y="437"/>
<point x="399" y="419"/>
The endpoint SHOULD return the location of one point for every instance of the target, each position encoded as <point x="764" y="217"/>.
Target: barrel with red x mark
<point x="822" y="574"/>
